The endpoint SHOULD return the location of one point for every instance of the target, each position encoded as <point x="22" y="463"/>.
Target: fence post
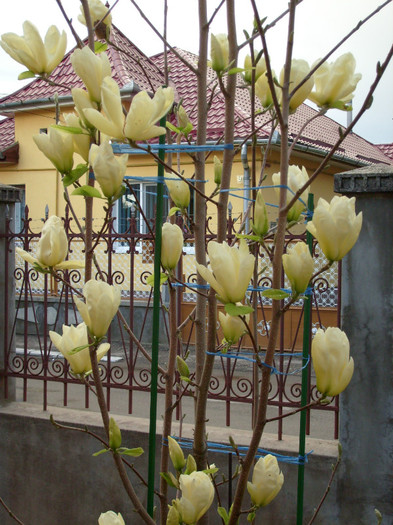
<point x="366" y="408"/>
<point x="8" y="196"/>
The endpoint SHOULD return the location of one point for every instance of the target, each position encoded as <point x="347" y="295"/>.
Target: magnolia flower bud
<point x="176" y="454"/>
<point x="114" y="435"/>
<point x="191" y="465"/>
<point x="262" y="91"/>
<point x="179" y="192"/>
<point x="232" y="269"/>
<point x="335" y="226"/>
<point x="145" y="112"/>
<point x="332" y="364"/>
<point x="217" y="170"/>
<point x="260" y="223"/>
<point x="173" y="517"/>
<point x="108" y="168"/>
<point x="80" y="141"/>
<point x="102" y="303"/>
<point x="76" y="337"/>
<point x="110" y="518"/>
<point x="58" y="148"/>
<point x="39" y="57"/>
<point x="52" y="247"/>
<point x="92" y="69"/>
<point x="112" y="124"/>
<point x="219" y="52"/>
<point x="298" y="266"/>
<point x="197" y="496"/>
<point x="82" y="101"/>
<point x="267" y="480"/>
<point x="296" y="179"/>
<point x="299" y="70"/>
<point x="260" y="68"/>
<point x="232" y="326"/>
<point x="182" y="367"/>
<point x="172" y="245"/>
<point x="182" y="118"/>
<point x="335" y="83"/>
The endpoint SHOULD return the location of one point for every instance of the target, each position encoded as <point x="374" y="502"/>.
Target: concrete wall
<point x="49" y="476"/>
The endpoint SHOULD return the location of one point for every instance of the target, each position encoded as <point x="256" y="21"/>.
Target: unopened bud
<point x="191" y="465"/>
<point x="114" y="435"/>
<point x="176" y="454"/>
<point x="182" y="367"/>
<point x="217" y="170"/>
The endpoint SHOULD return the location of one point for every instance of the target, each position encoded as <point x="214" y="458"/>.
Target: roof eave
<point x="9" y="156"/>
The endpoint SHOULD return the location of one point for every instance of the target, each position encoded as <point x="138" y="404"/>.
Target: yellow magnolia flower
<point x="298" y="266"/>
<point x="80" y="141"/>
<point x="336" y="226"/>
<point x="172" y="245"/>
<point x="332" y="364"/>
<point x="232" y="268"/>
<point x="262" y="91"/>
<point x="232" y="326"/>
<point x="97" y="12"/>
<point x="110" y="518"/>
<point x="92" y="69"/>
<point x="260" y="222"/>
<point x="109" y="169"/>
<point x="75" y="337"/>
<point x="52" y="247"/>
<point x="39" y="57"/>
<point x="145" y="112"/>
<point x="112" y="124"/>
<point x="58" y="147"/>
<point x="260" y="68"/>
<point x="267" y="480"/>
<point x="102" y="303"/>
<point x="296" y="179"/>
<point x="197" y="496"/>
<point x="335" y="83"/>
<point x="179" y="192"/>
<point x="299" y="70"/>
<point x="176" y="454"/>
<point x="82" y="101"/>
<point x="219" y="52"/>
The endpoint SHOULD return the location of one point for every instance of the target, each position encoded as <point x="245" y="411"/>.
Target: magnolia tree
<point x="187" y="490"/>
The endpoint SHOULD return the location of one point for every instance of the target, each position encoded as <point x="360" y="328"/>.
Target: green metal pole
<point x="156" y="330"/>
<point x="303" y="413"/>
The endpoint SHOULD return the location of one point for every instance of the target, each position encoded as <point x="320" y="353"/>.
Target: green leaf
<point x="172" y="127"/>
<point x="234" y="309"/>
<point x="70" y="129"/>
<point x="173" y="210"/>
<point x="99" y="47"/>
<point x="185" y="379"/>
<point x="250" y="237"/>
<point x="134" y="452"/>
<point x="40" y="269"/>
<point x="87" y="191"/>
<point x="211" y="470"/>
<point x="275" y="294"/>
<point x="101" y="452"/>
<point x="150" y="279"/>
<point x="78" y="349"/>
<point x="223" y="514"/>
<point x="251" y="517"/>
<point x="186" y="130"/>
<point x="235" y="70"/>
<point x="26" y="74"/>
<point x="75" y="174"/>
<point x="170" y="479"/>
<point x="339" y="104"/>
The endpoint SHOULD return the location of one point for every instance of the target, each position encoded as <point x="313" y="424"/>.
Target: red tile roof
<point x="320" y="134"/>
<point x="387" y="149"/>
<point x="7" y="133"/>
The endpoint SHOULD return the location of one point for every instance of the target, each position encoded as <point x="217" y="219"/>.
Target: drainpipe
<point x="246" y="184"/>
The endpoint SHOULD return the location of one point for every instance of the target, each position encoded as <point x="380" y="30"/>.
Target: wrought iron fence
<point x="126" y="259"/>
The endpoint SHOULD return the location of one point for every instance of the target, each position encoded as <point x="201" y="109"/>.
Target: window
<point x="19" y="212"/>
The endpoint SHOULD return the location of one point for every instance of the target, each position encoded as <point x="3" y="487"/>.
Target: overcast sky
<point x="320" y="24"/>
